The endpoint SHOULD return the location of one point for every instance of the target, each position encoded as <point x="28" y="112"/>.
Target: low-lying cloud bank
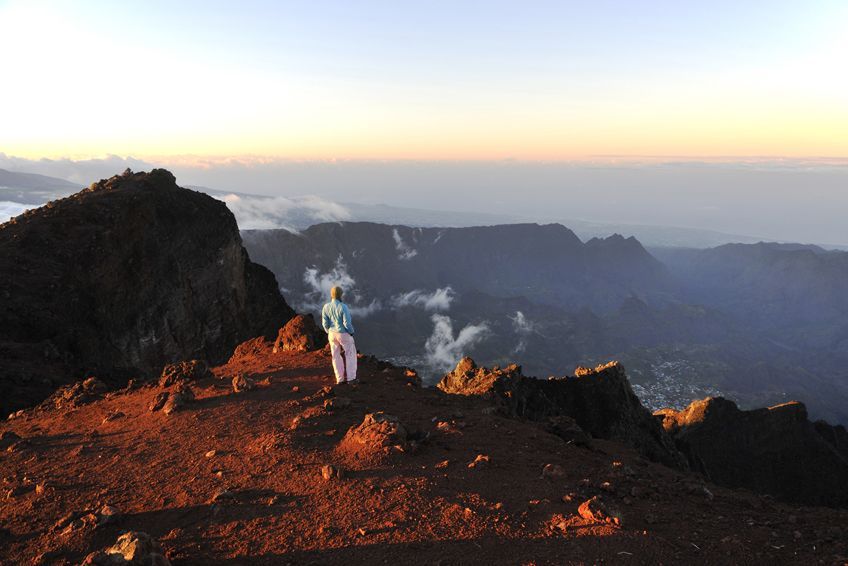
<point x="293" y="214"/>
<point x="10" y="209"/>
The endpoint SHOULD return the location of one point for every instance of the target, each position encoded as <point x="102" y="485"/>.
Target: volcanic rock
<point x="122" y="278"/>
<point x="774" y="450"/>
<point x="77" y="394"/>
<point x="330" y="472"/>
<point x="242" y="383"/>
<point x="374" y="438"/>
<point x="300" y="334"/>
<point x="177" y="400"/>
<point x="132" y="548"/>
<point x="599" y="511"/>
<point x="249" y="349"/>
<point x="158" y="401"/>
<point x="184" y="371"/>
<point x="599" y="400"/>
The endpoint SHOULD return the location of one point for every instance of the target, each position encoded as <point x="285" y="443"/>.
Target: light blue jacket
<point x="335" y="316"/>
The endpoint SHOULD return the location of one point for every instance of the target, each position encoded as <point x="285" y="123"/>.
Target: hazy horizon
<point x="782" y="200"/>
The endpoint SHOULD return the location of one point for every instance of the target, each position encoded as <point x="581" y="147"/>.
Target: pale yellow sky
<point x="87" y="79"/>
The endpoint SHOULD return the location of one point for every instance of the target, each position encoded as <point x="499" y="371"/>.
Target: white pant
<point x="343" y="341"/>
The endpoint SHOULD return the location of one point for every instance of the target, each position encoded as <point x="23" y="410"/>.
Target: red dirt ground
<point x="407" y="508"/>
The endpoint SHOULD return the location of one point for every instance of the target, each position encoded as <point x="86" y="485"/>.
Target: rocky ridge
<point x="774" y="450"/>
<point x="600" y="401"/>
<point x="120" y="279"/>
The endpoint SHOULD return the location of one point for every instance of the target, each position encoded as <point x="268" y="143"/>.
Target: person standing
<point x="335" y="318"/>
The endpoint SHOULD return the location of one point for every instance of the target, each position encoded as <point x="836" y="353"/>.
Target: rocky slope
<point x="774" y="450"/>
<point x="121" y="278"/>
<point x="600" y="401"/>
<point x="294" y="470"/>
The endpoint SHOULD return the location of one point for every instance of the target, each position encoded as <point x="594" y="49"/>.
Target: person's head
<point x="336" y="293"/>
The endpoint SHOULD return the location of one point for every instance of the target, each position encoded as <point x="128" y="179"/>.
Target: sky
<point x="532" y="80"/>
<point x="722" y="115"/>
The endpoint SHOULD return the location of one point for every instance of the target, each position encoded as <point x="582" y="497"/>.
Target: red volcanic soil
<point x="229" y="479"/>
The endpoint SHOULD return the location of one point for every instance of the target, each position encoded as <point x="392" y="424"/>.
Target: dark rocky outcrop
<point x="119" y="280"/>
<point x="774" y="450"/>
<point x="600" y="400"/>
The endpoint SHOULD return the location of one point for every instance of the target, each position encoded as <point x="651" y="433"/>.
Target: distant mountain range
<point x="760" y="323"/>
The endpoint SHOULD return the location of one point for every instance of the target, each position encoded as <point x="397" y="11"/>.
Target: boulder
<point x="300" y="334"/>
<point x="375" y="438"/>
<point x="600" y="402"/>
<point x="74" y="395"/>
<point x="178" y="399"/>
<point x="250" y="350"/>
<point x="149" y="273"/>
<point x="184" y="371"/>
<point x="774" y="450"/>
<point x="378" y="430"/>
<point x="133" y="548"/>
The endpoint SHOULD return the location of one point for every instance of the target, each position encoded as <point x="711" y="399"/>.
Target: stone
<point x="113" y="416"/>
<point x="250" y="350"/>
<point x="480" y="460"/>
<point x="598" y="511"/>
<point x="133" y="548"/>
<point x="158" y="401"/>
<point x="242" y="383"/>
<point x="177" y="400"/>
<point x="330" y="472"/>
<point x="378" y="430"/>
<point x="300" y="334"/>
<point x="191" y="370"/>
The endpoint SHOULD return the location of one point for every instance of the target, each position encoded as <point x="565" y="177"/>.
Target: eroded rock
<point x="600" y="402"/>
<point x="300" y="334"/>
<point x="133" y="548"/>
<point x="191" y="370"/>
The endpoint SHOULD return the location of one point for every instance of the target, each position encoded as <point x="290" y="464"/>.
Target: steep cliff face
<point x="600" y="401"/>
<point x="545" y="263"/>
<point x="122" y="278"/>
<point x="774" y="450"/>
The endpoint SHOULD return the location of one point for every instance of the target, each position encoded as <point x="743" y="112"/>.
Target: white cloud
<point x="318" y="290"/>
<point x="443" y="350"/>
<point x="438" y="300"/>
<point x="9" y="209"/>
<point x="258" y="213"/>
<point x="405" y="252"/>
<point x="524" y="328"/>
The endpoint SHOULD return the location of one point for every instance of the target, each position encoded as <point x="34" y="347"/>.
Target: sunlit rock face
<point x="600" y="400"/>
<point x="122" y="278"/>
